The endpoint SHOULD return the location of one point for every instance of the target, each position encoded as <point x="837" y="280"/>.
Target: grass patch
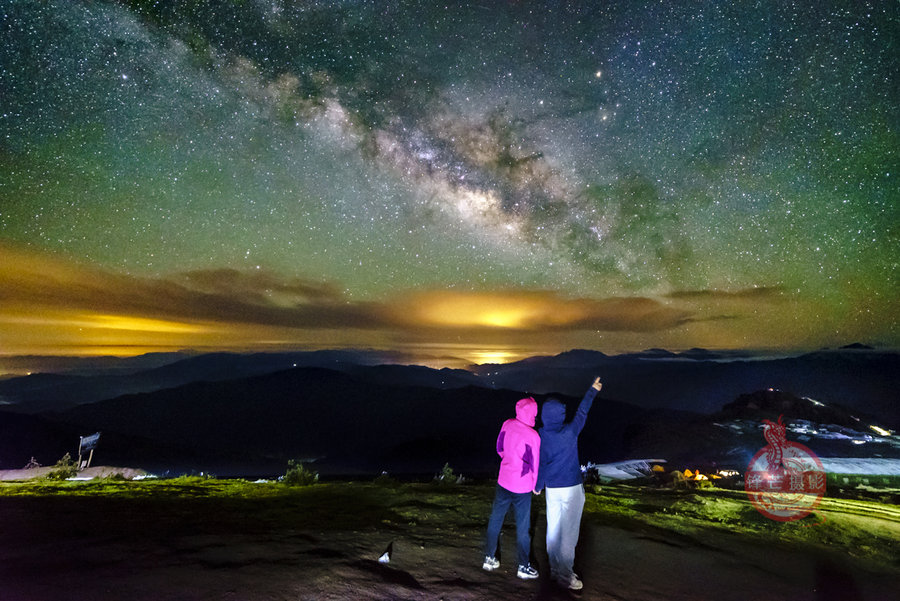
<point x="182" y="487"/>
<point x="882" y="488"/>
<point x="865" y="528"/>
<point x="453" y="515"/>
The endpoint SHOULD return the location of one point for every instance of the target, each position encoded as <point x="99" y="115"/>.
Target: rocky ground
<point x="190" y="540"/>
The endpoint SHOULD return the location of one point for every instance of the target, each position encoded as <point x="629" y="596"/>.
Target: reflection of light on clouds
<point x="463" y="355"/>
<point x="493" y="310"/>
<point x="460" y="310"/>
<point x="142" y="324"/>
<point x="113" y="350"/>
<point x="492" y="356"/>
<point x="83" y="333"/>
<point x="105" y="322"/>
<point x="501" y="319"/>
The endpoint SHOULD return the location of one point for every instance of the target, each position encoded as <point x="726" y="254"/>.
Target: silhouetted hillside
<point x="772" y="403"/>
<point x="346" y="423"/>
<point x="55" y="392"/>
<point x="244" y="413"/>
<point x="857" y="378"/>
<point x="25" y="436"/>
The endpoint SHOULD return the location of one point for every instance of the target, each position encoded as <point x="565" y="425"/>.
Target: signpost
<point x="87" y="443"/>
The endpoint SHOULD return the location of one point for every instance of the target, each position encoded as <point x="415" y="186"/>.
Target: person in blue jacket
<point x="560" y="473"/>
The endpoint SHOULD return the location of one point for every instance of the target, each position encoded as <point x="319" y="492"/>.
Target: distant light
<point x="881" y="431"/>
<point x="492" y="356"/>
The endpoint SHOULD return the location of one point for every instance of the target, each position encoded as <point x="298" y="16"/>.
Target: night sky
<point x="474" y="180"/>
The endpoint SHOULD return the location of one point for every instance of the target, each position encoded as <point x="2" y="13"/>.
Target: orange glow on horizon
<point x="493" y="356"/>
<point x="54" y="305"/>
<point x="142" y="324"/>
<point x="493" y="310"/>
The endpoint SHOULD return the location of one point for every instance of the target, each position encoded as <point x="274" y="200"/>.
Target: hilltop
<point x="191" y="538"/>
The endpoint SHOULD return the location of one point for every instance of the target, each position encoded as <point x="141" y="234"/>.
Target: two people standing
<point x="558" y="470"/>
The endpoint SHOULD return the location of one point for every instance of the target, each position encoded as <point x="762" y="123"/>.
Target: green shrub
<point x="447" y="476"/>
<point x="64" y="468"/>
<point x="298" y="475"/>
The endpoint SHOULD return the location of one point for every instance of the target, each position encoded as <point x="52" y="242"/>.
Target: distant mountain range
<point x="861" y="379"/>
<point x="81" y="383"/>
<point x="249" y="414"/>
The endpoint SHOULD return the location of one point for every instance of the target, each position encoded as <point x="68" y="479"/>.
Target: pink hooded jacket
<point x="519" y="447"/>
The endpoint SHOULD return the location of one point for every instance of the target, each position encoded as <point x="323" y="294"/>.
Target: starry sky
<point x="461" y="181"/>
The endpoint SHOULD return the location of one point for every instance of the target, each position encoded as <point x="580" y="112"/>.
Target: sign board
<point x="89" y="442"/>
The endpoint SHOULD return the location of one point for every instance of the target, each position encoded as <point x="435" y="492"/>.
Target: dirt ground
<point x="324" y="543"/>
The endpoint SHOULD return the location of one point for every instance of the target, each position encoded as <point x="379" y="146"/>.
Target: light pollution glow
<point x="51" y="305"/>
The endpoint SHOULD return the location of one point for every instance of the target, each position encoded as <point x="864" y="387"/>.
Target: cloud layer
<point x="32" y="285"/>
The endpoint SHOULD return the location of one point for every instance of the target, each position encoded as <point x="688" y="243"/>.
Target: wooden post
<point x="80" y="439"/>
<point x="91" y="456"/>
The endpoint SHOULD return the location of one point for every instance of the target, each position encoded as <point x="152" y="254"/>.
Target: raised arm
<point x="585" y="405"/>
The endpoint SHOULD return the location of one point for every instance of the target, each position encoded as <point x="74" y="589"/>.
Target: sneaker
<point x="573" y="583"/>
<point x="527" y="573"/>
<point x="490" y="563"/>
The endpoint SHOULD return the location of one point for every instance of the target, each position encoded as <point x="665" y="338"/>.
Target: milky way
<point x="688" y="153"/>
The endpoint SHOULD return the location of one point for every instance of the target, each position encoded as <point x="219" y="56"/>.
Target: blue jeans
<point x="521" y="503"/>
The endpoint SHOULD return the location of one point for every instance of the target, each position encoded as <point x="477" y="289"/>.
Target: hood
<point x="526" y="411"/>
<point x="553" y="414"/>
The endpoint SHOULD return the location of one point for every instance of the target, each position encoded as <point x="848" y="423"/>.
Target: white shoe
<point x="490" y="563"/>
<point x="573" y="583"/>
<point x="527" y="573"/>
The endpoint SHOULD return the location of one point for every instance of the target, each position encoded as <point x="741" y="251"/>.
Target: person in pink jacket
<point x="519" y="447"/>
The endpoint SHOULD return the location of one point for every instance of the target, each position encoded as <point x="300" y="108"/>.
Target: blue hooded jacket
<point x="559" y="465"/>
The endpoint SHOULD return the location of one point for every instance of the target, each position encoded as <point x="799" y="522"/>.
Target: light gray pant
<point x="564" y="509"/>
